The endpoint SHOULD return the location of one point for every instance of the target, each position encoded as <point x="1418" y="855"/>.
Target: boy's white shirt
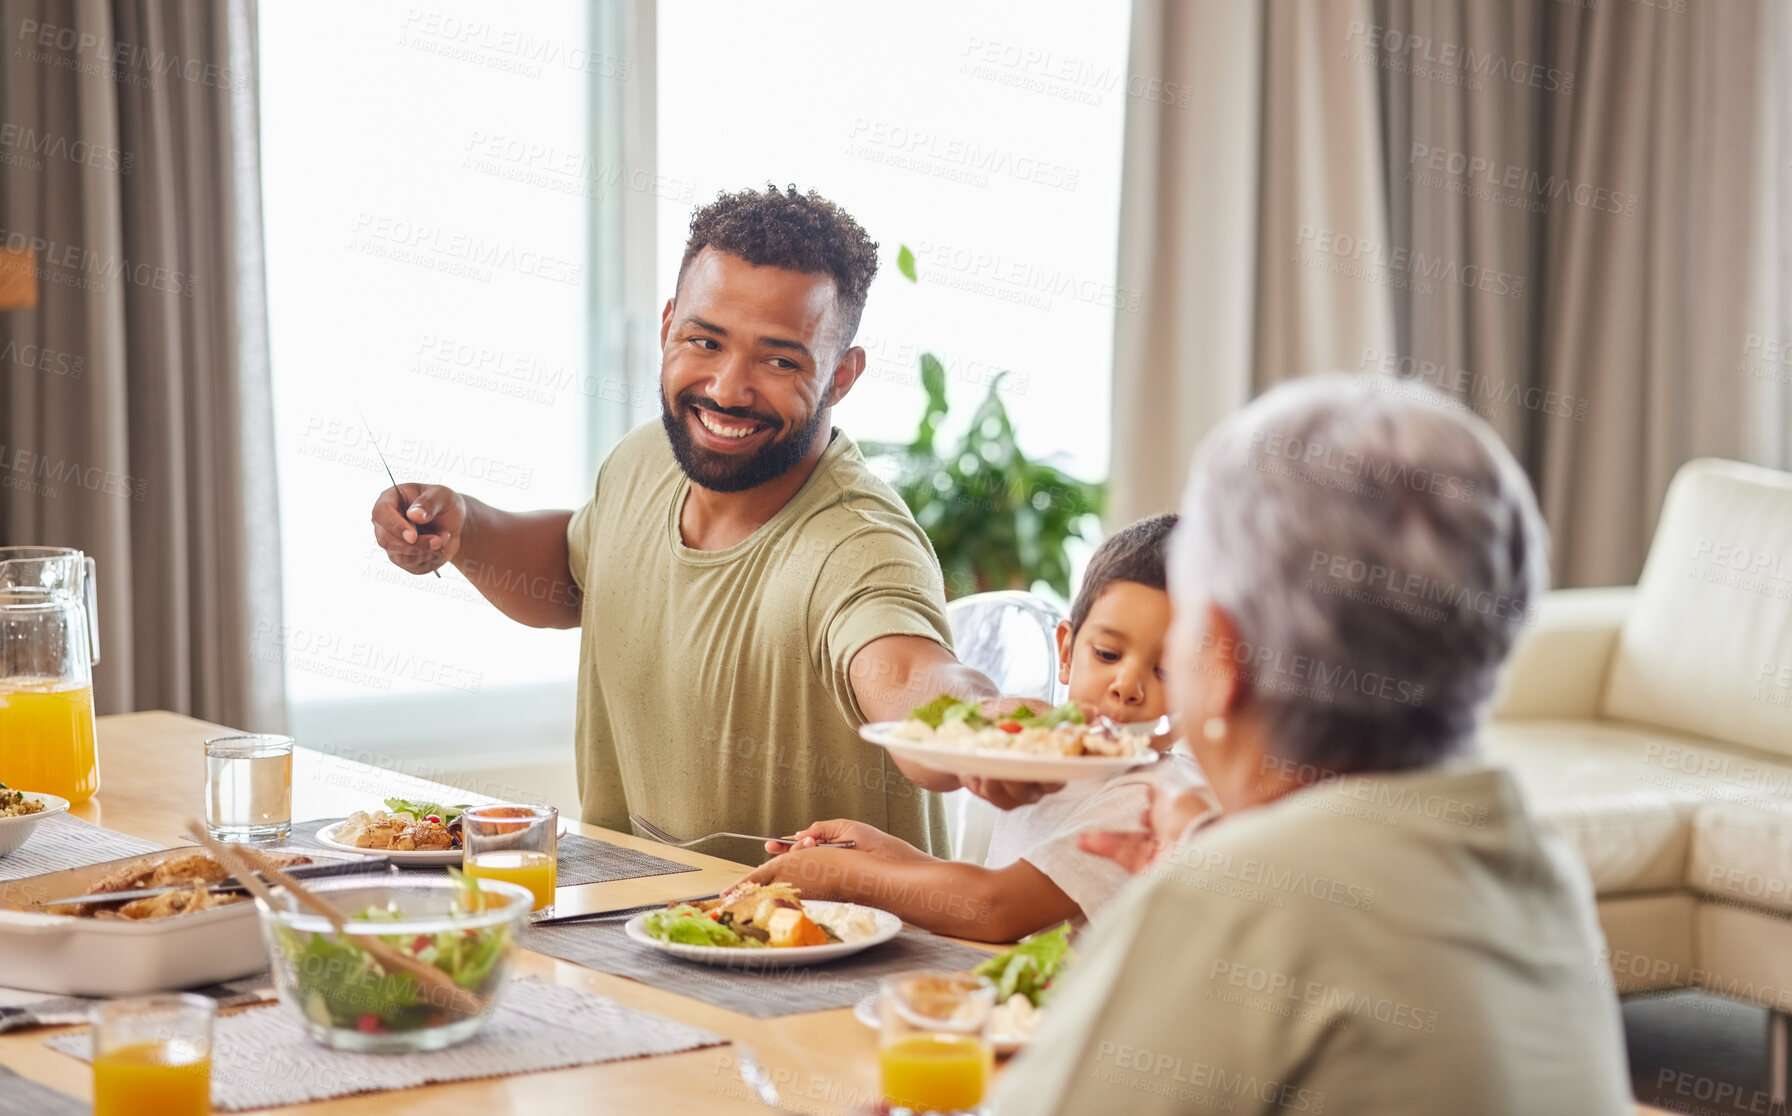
<point x="1044" y="834"/>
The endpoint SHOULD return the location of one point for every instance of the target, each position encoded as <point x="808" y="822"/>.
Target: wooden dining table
<point x="151" y="769"/>
<point x="151" y="775"/>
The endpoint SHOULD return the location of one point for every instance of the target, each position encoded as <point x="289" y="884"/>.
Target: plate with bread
<point x="763" y="927"/>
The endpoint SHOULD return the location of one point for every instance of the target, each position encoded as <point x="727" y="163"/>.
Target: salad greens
<point x="424" y="809"/>
<point x="948" y="708"/>
<point x="1067" y="714"/>
<point x="686" y="925"/>
<point x="338" y="984"/>
<point x="1030" y="966"/>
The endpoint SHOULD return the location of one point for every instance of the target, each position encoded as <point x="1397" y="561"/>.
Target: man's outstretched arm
<point x="892" y="675"/>
<point x="517" y="560"/>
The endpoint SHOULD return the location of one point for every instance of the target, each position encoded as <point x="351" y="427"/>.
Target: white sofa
<point x="1653" y="725"/>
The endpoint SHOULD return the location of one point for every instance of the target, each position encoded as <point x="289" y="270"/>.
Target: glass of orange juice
<point x="933" y="1041"/>
<point x="507" y="841"/>
<point x="152" y="1055"/>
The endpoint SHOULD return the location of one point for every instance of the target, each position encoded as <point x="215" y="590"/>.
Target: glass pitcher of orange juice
<point x="49" y="641"/>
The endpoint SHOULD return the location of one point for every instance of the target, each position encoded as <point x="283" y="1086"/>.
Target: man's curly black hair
<point x="797" y="232"/>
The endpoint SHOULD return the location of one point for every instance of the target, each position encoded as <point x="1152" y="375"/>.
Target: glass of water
<point x="248" y="787"/>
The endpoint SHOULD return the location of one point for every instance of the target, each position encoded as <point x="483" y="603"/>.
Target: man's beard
<point x="721" y="472"/>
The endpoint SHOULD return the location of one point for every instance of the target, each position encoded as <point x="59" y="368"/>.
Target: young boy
<point x="1035" y="876"/>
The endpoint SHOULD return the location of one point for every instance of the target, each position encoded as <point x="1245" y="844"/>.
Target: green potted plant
<point x="997" y="518"/>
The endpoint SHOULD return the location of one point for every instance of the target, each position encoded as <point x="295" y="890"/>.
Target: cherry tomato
<point x="369" y="1024"/>
<point x="1009" y="726"/>
<point x="432" y="818"/>
<point x="420" y="943"/>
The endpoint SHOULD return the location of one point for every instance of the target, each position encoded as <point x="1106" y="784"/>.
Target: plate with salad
<point x="406" y="832"/>
<point x="763" y="927"/>
<point x="1056" y="746"/>
<point x="1024" y="978"/>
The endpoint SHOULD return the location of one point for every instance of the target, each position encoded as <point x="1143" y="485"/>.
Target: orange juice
<point x="533" y="870"/>
<point x="152" y="1079"/>
<point x="46" y="739"/>
<point x="936" y="1073"/>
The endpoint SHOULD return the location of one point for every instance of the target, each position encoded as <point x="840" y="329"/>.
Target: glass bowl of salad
<point x="346" y="992"/>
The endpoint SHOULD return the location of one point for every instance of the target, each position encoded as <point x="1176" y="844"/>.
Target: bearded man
<point x="749" y="592"/>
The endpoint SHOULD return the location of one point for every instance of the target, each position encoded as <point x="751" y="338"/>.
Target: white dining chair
<point x="1011" y="636"/>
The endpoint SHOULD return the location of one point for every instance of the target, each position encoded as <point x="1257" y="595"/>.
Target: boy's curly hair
<point x="1137" y="552"/>
<point x="797" y="232"/>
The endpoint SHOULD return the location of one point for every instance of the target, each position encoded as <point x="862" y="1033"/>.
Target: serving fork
<point x="665" y="838"/>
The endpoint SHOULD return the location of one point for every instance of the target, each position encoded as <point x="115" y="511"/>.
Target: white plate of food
<point x="1055" y="747"/>
<point x="413" y="833"/>
<point x="786" y="929"/>
<point x="20" y="811"/>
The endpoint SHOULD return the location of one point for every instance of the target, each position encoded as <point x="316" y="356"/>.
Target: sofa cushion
<point x="1707" y="647"/>
<point x="1557" y="667"/>
<point x="1604" y="787"/>
<point x="1630" y="797"/>
<point x="1743" y="852"/>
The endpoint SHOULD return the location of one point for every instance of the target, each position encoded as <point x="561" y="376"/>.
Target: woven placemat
<point x="578" y="859"/>
<point x="21" y="1010"/>
<point x="21" y="1096"/>
<point x="64" y="841"/>
<point x="261" y="1057"/>
<point x="760" y="993"/>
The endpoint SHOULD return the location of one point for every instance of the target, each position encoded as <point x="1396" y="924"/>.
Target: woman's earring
<point x="1214" y="729"/>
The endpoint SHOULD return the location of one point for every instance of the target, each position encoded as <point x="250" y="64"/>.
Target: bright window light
<point x="426" y="215"/>
<point x="984" y="136"/>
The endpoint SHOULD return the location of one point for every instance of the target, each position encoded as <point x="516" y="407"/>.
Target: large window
<point x="985" y="136"/>
<point x="427" y="203"/>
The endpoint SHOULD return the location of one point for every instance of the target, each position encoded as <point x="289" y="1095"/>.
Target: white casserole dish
<point x="108" y="957"/>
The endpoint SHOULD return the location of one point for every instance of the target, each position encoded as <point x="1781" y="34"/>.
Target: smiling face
<point x="1114" y="660"/>
<point x="751" y="362"/>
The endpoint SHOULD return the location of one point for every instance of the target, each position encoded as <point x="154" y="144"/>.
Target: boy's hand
<point x="1160" y="827"/>
<point x="867" y="839"/>
<point x="1132" y="849"/>
<point x="820" y="873"/>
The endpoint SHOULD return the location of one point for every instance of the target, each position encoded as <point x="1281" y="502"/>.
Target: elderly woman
<point x="1375" y="924"/>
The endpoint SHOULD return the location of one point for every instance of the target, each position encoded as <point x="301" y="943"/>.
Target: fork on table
<point x="665" y="838"/>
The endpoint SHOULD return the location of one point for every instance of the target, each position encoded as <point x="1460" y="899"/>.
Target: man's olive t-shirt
<point x="713" y="688"/>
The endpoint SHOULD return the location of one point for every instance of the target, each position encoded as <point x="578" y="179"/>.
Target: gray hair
<point x="1378" y="550"/>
